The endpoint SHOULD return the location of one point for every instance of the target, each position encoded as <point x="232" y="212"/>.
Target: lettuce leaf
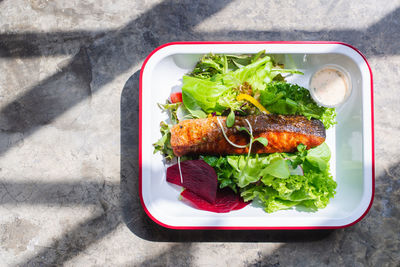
<point x="255" y="73"/>
<point x="278" y="167"/>
<point x="267" y="180"/>
<point x="319" y="156"/>
<point x="210" y="65"/>
<point x="312" y="190"/>
<point x="200" y="96"/>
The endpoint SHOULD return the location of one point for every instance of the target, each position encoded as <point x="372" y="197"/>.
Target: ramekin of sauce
<point x="330" y="86"/>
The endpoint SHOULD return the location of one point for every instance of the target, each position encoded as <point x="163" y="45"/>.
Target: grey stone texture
<point x="69" y="78"/>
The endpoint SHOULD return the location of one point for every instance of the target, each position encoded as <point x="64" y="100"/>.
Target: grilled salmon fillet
<point x="284" y="134"/>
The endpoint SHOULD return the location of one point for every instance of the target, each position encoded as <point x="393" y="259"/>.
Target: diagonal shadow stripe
<point x="63" y="194"/>
<point x="78" y="239"/>
<point x="32" y="44"/>
<point x="176" y="255"/>
<point x="49" y="99"/>
<point x="374" y="40"/>
<point x="96" y="64"/>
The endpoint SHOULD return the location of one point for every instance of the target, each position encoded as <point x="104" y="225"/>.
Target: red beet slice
<point x="241" y="204"/>
<point x="198" y="177"/>
<point x="226" y="201"/>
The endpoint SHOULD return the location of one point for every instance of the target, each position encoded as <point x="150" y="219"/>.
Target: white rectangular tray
<point x="351" y="140"/>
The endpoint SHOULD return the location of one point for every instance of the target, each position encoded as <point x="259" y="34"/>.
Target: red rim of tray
<point x="253" y="227"/>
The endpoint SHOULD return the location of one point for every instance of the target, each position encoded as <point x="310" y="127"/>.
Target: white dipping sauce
<point x="329" y="86"/>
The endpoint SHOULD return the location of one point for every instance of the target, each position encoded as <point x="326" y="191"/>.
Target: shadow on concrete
<point x="375" y="40"/>
<point x="99" y="58"/>
<point x="76" y="240"/>
<point x="102" y="197"/>
<point x="49" y="99"/>
<point x="60" y="194"/>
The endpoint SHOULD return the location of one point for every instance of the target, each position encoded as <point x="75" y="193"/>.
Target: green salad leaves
<point x="286" y="98"/>
<point x="163" y="145"/>
<point x="274" y="180"/>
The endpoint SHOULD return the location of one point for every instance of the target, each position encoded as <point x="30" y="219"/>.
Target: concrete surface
<point x="68" y="131"/>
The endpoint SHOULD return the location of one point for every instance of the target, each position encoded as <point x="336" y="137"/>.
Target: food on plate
<point x="225" y="201"/>
<point x="199" y="178"/>
<point x="283" y="132"/>
<point x="241" y="133"/>
<point x="279" y="181"/>
<point x="201" y="187"/>
<point x="176" y="97"/>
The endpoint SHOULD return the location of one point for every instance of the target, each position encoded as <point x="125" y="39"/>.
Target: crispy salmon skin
<point x="284" y="134"/>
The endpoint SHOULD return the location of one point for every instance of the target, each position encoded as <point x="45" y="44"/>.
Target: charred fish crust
<point x="281" y="123"/>
<point x="284" y="134"/>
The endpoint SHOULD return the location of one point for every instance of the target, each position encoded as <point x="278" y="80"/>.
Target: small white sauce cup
<point x="347" y="80"/>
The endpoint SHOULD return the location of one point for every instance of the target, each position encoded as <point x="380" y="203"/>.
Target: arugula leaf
<point x="225" y="64"/>
<point x="163" y="145"/>
<point x="243" y="129"/>
<point x="257" y="56"/>
<point x="262" y="140"/>
<point x="230" y="120"/>
<point x="171" y="109"/>
<point x="299" y="157"/>
<point x="211" y="65"/>
<point x="182" y="113"/>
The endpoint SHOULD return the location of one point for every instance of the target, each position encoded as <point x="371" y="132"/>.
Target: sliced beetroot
<point x="198" y="177"/>
<point x="201" y="183"/>
<point x="241" y="204"/>
<point x="230" y="198"/>
<point x="226" y="201"/>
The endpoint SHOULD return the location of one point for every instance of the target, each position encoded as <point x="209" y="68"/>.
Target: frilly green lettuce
<point x="267" y="179"/>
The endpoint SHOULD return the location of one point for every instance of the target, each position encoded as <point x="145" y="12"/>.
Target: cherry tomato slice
<point x="176" y="97"/>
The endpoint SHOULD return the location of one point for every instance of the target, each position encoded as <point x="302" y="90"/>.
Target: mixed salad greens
<point x="240" y="85"/>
